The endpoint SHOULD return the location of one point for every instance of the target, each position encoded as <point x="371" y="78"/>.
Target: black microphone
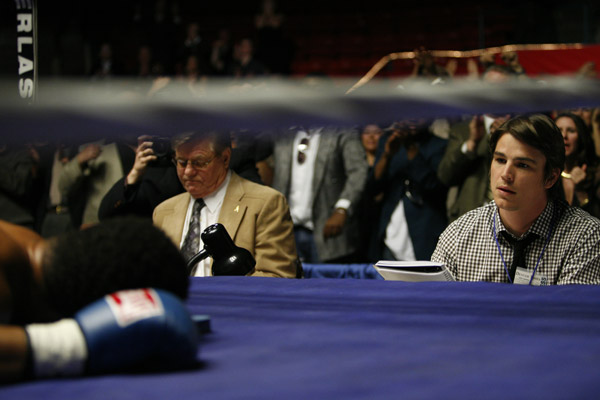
<point x="228" y="259"/>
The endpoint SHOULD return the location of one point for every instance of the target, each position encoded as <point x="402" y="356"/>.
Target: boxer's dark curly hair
<point x="119" y="253"/>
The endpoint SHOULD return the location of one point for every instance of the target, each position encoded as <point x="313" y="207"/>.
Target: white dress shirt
<point x="397" y="237"/>
<point x="208" y="215"/>
<point x="301" y="195"/>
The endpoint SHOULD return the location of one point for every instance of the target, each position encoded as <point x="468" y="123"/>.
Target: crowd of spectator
<point x="385" y="190"/>
<point x="162" y="43"/>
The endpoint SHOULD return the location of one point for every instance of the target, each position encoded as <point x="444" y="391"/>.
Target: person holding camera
<point x="413" y="211"/>
<point x="151" y="180"/>
<point x="85" y="179"/>
<point x="153" y="177"/>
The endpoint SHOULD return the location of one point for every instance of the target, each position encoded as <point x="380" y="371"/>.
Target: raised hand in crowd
<point x="477" y="129"/>
<point x="402" y="135"/>
<point x="511" y="59"/>
<point x="144" y="154"/>
<point x="88" y="153"/>
<point x="476" y="132"/>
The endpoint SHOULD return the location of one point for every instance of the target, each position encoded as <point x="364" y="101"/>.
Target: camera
<point x="161" y="146"/>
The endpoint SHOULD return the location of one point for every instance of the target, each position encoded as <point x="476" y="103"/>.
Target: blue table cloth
<point x="371" y="339"/>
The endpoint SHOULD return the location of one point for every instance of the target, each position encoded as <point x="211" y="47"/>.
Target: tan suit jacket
<point x="256" y="217"/>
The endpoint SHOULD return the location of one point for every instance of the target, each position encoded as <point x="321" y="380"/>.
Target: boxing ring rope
<point x="262" y="105"/>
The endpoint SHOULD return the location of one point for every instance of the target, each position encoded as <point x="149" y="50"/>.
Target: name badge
<point x="523" y="276"/>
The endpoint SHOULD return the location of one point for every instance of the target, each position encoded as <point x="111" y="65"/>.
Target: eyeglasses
<point x="302" y="147"/>
<point x="195" y="164"/>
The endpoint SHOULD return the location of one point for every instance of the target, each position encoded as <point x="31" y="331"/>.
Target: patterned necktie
<point x="191" y="244"/>
<point x="519" y="247"/>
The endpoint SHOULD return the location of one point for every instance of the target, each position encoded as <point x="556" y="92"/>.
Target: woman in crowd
<point x="581" y="175"/>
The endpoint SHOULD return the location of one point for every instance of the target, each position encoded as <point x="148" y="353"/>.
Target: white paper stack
<point x="413" y="271"/>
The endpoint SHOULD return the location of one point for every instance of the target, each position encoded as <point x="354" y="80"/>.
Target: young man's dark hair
<point x="540" y="132"/>
<point x="120" y="253"/>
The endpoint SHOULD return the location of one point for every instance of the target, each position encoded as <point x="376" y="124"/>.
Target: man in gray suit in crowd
<point x="322" y="172"/>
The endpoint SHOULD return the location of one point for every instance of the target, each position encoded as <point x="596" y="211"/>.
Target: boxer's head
<point x="122" y="253"/>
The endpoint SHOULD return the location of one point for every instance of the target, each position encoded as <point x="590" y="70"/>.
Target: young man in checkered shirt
<point x="528" y="155"/>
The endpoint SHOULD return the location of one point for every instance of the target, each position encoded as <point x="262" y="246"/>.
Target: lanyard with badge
<point x="522" y="275"/>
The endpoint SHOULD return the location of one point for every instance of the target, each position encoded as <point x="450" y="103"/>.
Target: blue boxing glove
<point x="130" y="329"/>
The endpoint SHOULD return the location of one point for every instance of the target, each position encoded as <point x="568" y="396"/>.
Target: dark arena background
<point x="337" y="38"/>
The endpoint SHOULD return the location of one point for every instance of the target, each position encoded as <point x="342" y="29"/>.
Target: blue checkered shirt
<point x="572" y="256"/>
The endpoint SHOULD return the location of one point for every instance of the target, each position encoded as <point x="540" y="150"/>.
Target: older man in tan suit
<point x="256" y="216"/>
